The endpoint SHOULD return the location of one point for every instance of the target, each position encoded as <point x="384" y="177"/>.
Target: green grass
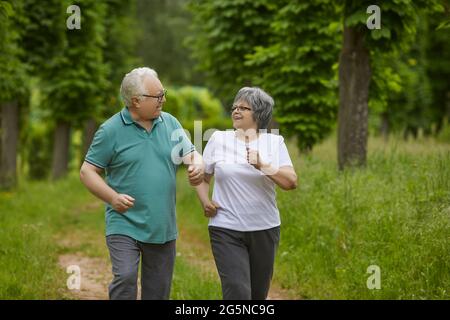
<point x="395" y="214"/>
<point x="29" y="219"/>
<point x="36" y="217"/>
<point x="188" y="283"/>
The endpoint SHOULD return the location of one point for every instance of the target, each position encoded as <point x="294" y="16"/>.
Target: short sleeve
<point x="284" y="159"/>
<point x="101" y="150"/>
<point x="208" y="155"/>
<point x="186" y="145"/>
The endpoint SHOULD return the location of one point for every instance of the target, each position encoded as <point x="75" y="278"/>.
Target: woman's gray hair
<point x="133" y="83"/>
<point x="260" y="102"/>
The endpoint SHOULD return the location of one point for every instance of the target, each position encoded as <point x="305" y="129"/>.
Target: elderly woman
<point x="244" y="224"/>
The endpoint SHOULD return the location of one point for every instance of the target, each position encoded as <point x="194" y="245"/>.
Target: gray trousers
<point x="244" y="261"/>
<point x="156" y="268"/>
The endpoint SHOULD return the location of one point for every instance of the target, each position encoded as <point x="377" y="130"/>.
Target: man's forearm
<point x="97" y="186"/>
<point x="193" y="158"/>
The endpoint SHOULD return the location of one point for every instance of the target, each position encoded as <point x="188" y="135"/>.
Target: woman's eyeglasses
<point x="239" y="108"/>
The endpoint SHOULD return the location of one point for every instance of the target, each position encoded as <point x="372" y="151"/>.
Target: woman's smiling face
<point x="242" y="116"/>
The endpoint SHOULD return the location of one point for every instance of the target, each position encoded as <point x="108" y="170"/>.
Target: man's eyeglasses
<point x="159" y="97"/>
<point x="239" y="108"/>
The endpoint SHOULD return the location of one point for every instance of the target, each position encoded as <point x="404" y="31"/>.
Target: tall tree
<point x="408" y="88"/>
<point x="44" y="43"/>
<point x="360" y="46"/>
<point x="79" y="80"/>
<point x="354" y="81"/>
<point x="12" y="86"/>
<point x="120" y="25"/>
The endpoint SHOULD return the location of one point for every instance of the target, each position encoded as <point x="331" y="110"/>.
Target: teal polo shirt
<point x="140" y="163"/>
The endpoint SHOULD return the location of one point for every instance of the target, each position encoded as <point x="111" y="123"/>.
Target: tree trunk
<point x="354" y="80"/>
<point x="90" y="127"/>
<point x="9" y="130"/>
<point x="61" y="150"/>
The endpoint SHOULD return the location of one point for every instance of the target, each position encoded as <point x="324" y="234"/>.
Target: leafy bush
<point x="444" y="134"/>
<point x="38" y="153"/>
<point x="189" y="104"/>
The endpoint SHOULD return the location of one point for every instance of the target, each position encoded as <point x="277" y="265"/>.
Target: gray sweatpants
<point x="244" y="261"/>
<point x="156" y="268"/>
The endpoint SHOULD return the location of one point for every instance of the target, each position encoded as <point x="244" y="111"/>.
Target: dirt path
<point x="95" y="271"/>
<point x="96" y="274"/>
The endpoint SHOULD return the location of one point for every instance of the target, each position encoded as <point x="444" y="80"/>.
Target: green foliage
<point x="386" y="82"/>
<point x="38" y="154"/>
<point x="398" y="21"/>
<point x="410" y="86"/>
<point x="12" y="69"/>
<point x="119" y="51"/>
<point x="438" y="65"/>
<point x="81" y="69"/>
<point x="444" y="134"/>
<point x="162" y="27"/>
<point x="189" y="104"/>
<point x="444" y="25"/>
<point x="262" y="43"/>
<point x="297" y="69"/>
<point x="43" y="35"/>
<point x="224" y="33"/>
<point x="291" y="49"/>
<point x="401" y="89"/>
<point x="79" y="74"/>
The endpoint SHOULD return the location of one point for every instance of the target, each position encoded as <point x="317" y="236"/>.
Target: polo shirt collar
<point x="157" y="120"/>
<point x="127" y="119"/>
<point x="126" y="116"/>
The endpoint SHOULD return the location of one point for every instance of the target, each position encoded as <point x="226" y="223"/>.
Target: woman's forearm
<point x="284" y="177"/>
<point x="203" y="191"/>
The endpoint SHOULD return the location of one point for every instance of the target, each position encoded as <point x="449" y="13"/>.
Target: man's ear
<point x="135" y="102"/>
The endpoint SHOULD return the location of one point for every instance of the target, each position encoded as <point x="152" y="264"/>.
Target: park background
<point x="365" y="113"/>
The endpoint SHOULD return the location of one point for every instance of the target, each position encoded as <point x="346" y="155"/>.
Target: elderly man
<point x="135" y="149"/>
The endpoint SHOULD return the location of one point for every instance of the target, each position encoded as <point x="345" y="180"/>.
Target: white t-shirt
<point x="245" y="195"/>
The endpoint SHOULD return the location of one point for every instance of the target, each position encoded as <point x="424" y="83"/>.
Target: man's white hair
<point x="133" y="83"/>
